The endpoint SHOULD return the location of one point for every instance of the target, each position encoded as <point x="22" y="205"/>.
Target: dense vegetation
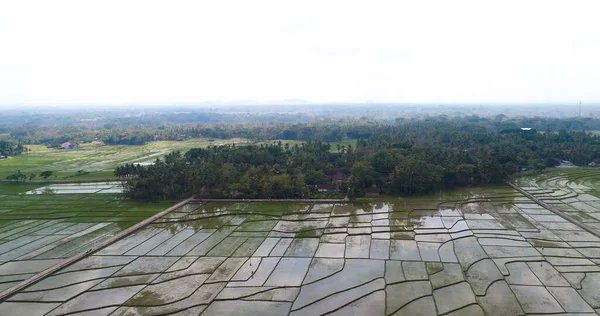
<point x="133" y="117"/>
<point x="408" y="157"/>
<point x="316" y="130"/>
<point x="10" y="148"/>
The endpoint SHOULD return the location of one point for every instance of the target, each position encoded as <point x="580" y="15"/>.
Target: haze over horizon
<point x="148" y="52"/>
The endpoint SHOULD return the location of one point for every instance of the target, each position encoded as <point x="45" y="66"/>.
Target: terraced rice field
<point x="483" y="251"/>
<point x="573" y="191"/>
<point x="38" y="231"/>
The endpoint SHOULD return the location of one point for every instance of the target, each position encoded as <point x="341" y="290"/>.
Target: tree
<point x="17" y="176"/>
<point x="281" y="186"/>
<point x="251" y="183"/>
<point x="315" y="177"/>
<point x="48" y="190"/>
<point x="465" y="174"/>
<point x="10" y="148"/>
<point x="362" y="175"/>
<point x="409" y="157"/>
<point x="205" y="175"/>
<point x="415" y="176"/>
<point x="46" y="174"/>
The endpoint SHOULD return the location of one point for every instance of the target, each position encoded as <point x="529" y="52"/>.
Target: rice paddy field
<point x="587" y="179"/>
<point x="39" y="230"/>
<point x="575" y="191"/>
<point x="477" y="251"/>
<point x="95" y="161"/>
<point x="114" y="187"/>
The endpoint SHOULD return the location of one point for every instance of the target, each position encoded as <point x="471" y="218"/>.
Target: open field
<point x="465" y="252"/>
<point x="37" y="231"/>
<point x="97" y="161"/>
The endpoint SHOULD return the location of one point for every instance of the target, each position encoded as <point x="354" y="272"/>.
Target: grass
<point x="96" y="161"/>
<point x="16" y="188"/>
<point x="103" y="207"/>
<point x="56" y="226"/>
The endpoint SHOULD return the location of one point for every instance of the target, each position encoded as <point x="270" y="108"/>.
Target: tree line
<point x="319" y="130"/>
<point x="408" y="157"/>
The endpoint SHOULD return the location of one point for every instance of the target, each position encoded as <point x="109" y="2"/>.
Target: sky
<point x="169" y="52"/>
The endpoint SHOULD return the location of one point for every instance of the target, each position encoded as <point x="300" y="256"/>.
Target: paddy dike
<point x="480" y="251"/>
<point x="575" y="219"/>
<point x="65" y="263"/>
<point x="39" y="231"/>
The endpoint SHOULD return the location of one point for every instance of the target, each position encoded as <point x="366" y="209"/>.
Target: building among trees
<point x="373" y="191"/>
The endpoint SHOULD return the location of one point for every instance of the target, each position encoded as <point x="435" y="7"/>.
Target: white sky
<point x="150" y="52"/>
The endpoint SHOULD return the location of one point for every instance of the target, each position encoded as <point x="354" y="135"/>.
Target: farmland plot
<point x="38" y="231"/>
<point x="94" y="161"/>
<point x="483" y="251"/>
<point x="575" y="192"/>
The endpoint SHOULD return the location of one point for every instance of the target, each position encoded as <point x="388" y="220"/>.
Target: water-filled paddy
<point x="38" y="231"/>
<point x="488" y="250"/>
<point x="80" y="188"/>
<point x="573" y="191"/>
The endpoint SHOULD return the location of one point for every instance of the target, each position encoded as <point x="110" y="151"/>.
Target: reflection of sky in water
<point x="449" y="212"/>
<point x="321" y="207"/>
<point x="427" y="222"/>
<point x="268" y="246"/>
<point x="79" y="188"/>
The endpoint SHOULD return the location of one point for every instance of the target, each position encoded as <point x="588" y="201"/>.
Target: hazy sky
<point x="137" y="52"/>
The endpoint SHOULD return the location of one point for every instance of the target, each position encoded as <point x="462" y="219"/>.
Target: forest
<point x="410" y="156"/>
<point x="325" y="130"/>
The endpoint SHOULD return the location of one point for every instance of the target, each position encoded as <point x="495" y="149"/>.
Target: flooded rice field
<point x="575" y="192"/>
<point x="39" y="231"/>
<point x="484" y="251"/>
<point x="80" y="188"/>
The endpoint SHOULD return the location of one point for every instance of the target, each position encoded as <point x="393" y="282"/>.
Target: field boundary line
<point x="556" y="211"/>
<point x="45" y="273"/>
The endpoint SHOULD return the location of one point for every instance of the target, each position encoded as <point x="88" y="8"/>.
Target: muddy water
<point x="480" y="251"/>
